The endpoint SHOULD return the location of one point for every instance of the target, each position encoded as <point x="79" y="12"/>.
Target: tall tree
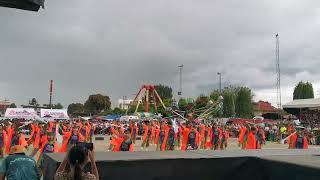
<point x="13" y="105"/>
<point x="303" y="90"/>
<point x="182" y="104"/>
<point x="228" y="103"/>
<point x="75" y="107"/>
<point x="57" y="106"/>
<point x="165" y="92"/>
<point x="202" y="101"/>
<point x="118" y="111"/>
<point x="96" y="103"/>
<point x="214" y="95"/>
<point x="33" y="102"/>
<point x="244" y="107"/>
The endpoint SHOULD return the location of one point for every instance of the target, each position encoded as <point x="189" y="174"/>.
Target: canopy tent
<point x="303" y="103"/>
<point x="128" y="118"/>
<point x="60" y="114"/>
<point x="308" y="110"/>
<point x="29" y="5"/>
<point x="111" y="117"/>
<point x="85" y="118"/>
<point x="144" y="114"/>
<point x="296" y="107"/>
<point x="21" y="113"/>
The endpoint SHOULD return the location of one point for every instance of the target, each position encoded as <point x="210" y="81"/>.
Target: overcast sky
<point x="114" y="46"/>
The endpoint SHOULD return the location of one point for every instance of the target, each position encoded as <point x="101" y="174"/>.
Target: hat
<point x="17" y="149"/>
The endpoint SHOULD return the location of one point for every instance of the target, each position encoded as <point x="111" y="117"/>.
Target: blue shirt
<point x="19" y="167"/>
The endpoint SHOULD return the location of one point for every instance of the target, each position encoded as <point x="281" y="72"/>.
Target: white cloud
<point x="113" y="47"/>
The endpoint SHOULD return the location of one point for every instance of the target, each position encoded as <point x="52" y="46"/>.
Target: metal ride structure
<point x="210" y="109"/>
<point x="145" y="94"/>
<point x="148" y="95"/>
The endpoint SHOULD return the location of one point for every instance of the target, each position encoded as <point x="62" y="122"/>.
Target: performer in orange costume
<point x="124" y="143"/>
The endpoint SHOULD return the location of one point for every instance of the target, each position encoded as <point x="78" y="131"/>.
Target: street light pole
<point x="219" y="74"/>
<point x="180" y="80"/>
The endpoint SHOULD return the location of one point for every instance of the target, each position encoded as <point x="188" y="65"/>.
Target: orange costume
<point x="208" y="144"/>
<point x="10" y="131"/>
<point x="166" y="136"/>
<point x="242" y="132"/>
<point x="251" y="142"/>
<point x="185" y="138"/>
<point x="44" y="141"/>
<point x="35" y="136"/>
<point x="114" y="136"/>
<point x="51" y="126"/>
<point x="202" y="135"/>
<point x="4" y="140"/>
<point x="292" y="141"/>
<point x="157" y="133"/>
<point x="66" y="138"/>
<point x="145" y="134"/>
<point x="21" y="140"/>
<point x="119" y="142"/>
<point x="185" y="135"/>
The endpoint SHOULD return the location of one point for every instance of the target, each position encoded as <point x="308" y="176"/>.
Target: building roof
<point x="265" y="107"/>
<point x="5" y="103"/>
<point x="303" y="103"/>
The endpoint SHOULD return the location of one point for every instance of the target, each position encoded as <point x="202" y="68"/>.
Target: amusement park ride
<point x="148" y="95"/>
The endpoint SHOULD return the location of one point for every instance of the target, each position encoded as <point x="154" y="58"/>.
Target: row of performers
<point x="251" y="137"/>
<point x="166" y="137"/>
<point x="43" y="137"/>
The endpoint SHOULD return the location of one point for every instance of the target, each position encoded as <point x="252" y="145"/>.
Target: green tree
<point x="165" y="92"/>
<point x="33" y="102"/>
<point x="132" y="108"/>
<point x="303" y="90"/>
<point x="183" y="103"/>
<point x="57" y="106"/>
<point x="75" y="107"/>
<point x="214" y="95"/>
<point x="244" y="107"/>
<point x="228" y="103"/>
<point x="118" y="111"/>
<point x="97" y="103"/>
<point x="13" y="105"/>
<point x="201" y="101"/>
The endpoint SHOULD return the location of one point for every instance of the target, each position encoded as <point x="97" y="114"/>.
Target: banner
<point x="54" y="113"/>
<point x="21" y="113"/>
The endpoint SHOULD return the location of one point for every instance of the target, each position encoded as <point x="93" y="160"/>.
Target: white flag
<point x="58" y="135"/>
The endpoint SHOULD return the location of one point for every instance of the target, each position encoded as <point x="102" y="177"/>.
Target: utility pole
<point x="51" y="92"/>
<point x="220" y="89"/>
<point x="278" y="73"/>
<point x="180" y="80"/>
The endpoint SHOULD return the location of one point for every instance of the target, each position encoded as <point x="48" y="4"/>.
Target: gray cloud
<point x="112" y="47"/>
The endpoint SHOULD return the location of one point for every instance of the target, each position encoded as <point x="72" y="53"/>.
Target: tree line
<point x="237" y="102"/>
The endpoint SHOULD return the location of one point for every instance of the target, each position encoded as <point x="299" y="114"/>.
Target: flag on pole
<point x="58" y="135"/>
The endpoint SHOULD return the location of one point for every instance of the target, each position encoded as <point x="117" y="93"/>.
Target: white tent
<point x="303" y="103"/>
<point x="21" y="113"/>
<point x="54" y="113"/>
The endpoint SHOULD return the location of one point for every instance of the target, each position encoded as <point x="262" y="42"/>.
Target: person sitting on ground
<point x="19" y="166"/>
<point x="77" y="158"/>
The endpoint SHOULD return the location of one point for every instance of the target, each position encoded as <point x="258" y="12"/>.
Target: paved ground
<point x="102" y="145"/>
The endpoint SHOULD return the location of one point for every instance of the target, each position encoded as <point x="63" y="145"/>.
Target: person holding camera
<point x="77" y="158"/>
